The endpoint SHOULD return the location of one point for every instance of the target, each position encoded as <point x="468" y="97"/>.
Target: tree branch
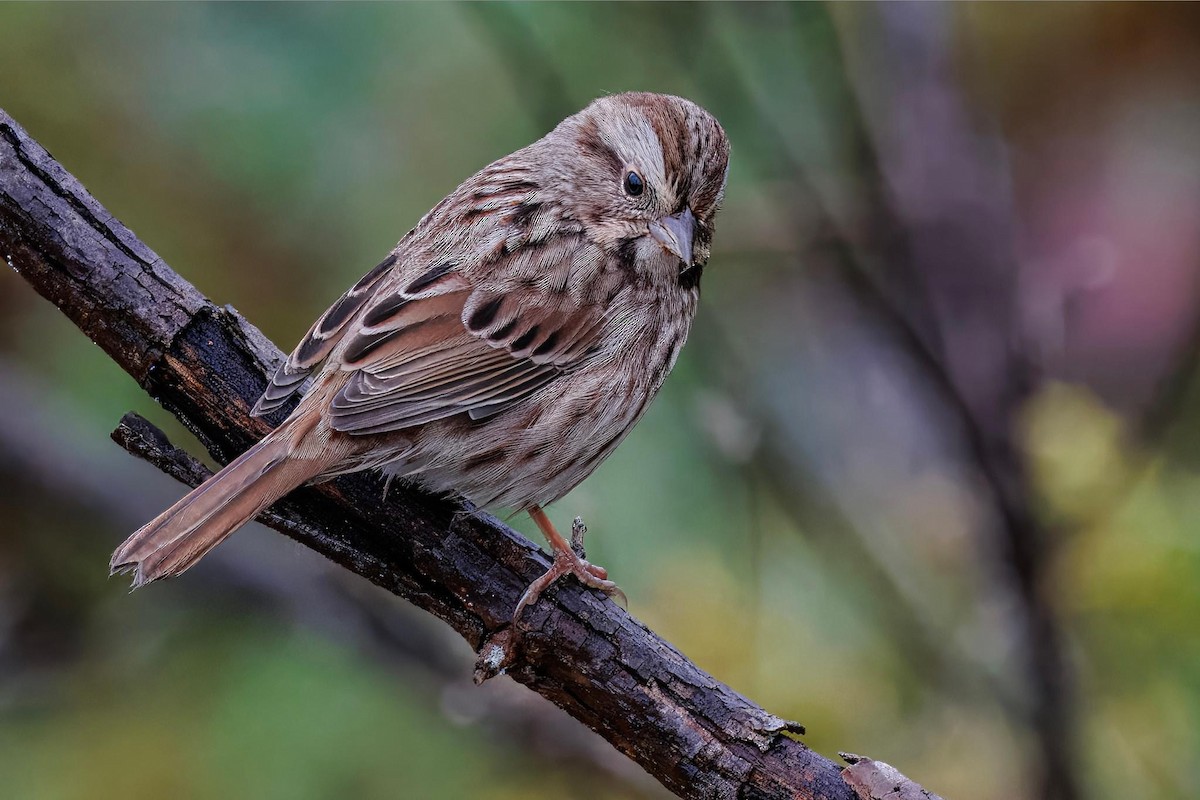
<point x="207" y="365"/>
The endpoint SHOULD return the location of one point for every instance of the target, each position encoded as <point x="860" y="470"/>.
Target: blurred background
<point x="925" y="478"/>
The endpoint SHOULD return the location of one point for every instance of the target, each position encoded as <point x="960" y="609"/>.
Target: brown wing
<point x="454" y="346"/>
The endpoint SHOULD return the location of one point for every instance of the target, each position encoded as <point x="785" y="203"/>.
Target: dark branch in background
<point x="983" y="368"/>
<point x="207" y="365"/>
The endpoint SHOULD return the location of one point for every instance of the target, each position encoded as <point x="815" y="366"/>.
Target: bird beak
<point x="675" y="233"/>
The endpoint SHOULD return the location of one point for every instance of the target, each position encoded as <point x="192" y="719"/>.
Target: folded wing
<point x="446" y="344"/>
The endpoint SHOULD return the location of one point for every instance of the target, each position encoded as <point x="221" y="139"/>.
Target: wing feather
<point x="455" y="350"/>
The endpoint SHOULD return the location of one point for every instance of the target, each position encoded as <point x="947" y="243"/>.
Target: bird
<point x="505" y="346"/>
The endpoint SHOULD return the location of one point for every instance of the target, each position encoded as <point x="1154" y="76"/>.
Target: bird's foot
<point x="568" y="560"/>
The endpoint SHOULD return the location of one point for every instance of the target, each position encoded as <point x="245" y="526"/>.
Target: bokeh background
<point x="925" y="478"/>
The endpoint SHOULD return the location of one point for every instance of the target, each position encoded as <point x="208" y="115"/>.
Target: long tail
<point x="185" y="532"/>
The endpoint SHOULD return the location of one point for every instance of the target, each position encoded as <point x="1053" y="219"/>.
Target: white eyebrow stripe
<point x="634" y="140"/>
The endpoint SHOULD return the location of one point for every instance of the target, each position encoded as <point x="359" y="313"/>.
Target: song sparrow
<point x="506" y="345"/>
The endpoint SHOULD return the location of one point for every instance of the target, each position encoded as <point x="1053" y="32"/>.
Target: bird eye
<point x="633" y="184"/>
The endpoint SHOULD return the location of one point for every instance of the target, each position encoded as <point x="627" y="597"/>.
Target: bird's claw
<point x="569" y="560"/>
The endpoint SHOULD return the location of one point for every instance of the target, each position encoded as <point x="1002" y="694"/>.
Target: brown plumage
<point x="505" y="346"/>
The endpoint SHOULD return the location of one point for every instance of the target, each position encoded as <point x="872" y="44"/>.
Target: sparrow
<point x="506" y="345"/>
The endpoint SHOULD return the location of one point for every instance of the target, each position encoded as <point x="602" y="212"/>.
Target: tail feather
<point x="185" y="532"/>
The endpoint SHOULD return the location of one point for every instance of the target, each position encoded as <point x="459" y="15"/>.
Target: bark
<point x="207" y="365"/>
<point x="875" y="780"/>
